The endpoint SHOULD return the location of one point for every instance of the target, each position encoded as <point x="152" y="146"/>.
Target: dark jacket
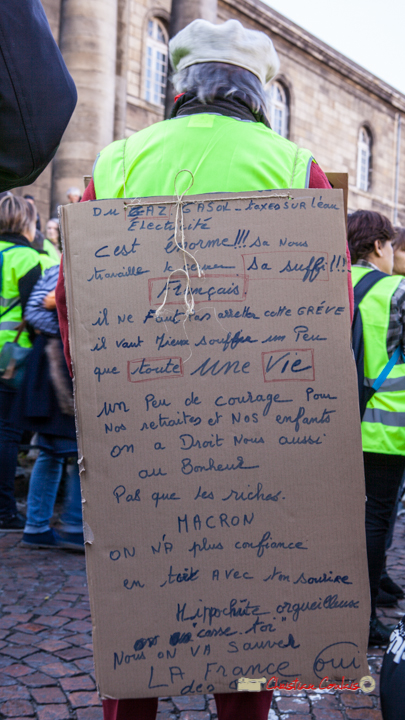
<point x="36" y="406"/>
<point x="37" y="94"/>
<point x="392" y="678"/>
<point x="44" y="401"/>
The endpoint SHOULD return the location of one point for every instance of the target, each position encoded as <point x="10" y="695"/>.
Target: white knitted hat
<point x="202" y="41"/>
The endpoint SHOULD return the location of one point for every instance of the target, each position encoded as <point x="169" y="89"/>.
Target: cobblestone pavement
<point x="46" y="663"/>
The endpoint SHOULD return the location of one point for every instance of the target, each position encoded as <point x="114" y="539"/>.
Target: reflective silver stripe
<point x="390" y="384"/>
<point x="308" y="171"/>
<point x="5" y="302"/>
<point x="9" y="325"/>
<point x="393" y="419"/>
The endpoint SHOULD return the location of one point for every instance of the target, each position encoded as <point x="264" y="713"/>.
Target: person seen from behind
<point x="382" y="311"/>
<point x="44" y="404"/>
<point x="20" y="268"/>
<point x="219" y="130"/>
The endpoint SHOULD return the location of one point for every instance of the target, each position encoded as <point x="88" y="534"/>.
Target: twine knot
<point x="179" y="230"/>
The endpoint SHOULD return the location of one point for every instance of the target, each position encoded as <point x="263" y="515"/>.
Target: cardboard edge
<point x="340" y="181"/>
<point x="63" y="224"/>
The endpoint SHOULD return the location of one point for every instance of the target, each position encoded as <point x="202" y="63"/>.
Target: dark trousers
<point x="230" y="706"/>
<point x="10" y="438"/>
<point x="390" y="534"/>
<point x="383" y="476"/>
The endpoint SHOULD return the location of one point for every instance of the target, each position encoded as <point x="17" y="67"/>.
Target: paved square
<point x="46" y="662"/>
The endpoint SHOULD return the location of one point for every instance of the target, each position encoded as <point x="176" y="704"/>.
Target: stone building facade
<point x="116" y="52"/>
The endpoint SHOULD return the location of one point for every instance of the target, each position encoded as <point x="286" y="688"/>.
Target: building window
<point x="156" y="63"/>
<point x="279" y="109"/>
<point x="364" y="159"/>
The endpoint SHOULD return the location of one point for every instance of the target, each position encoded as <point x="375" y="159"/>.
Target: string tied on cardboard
<point x="179" y="228"/>
<point x="179" y="232"/>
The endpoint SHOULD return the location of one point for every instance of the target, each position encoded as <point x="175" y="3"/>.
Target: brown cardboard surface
<point x="340" y="180"/>
<point x="221" y="459"/>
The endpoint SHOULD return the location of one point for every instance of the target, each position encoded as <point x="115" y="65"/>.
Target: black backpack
<point x="392" y="678"/>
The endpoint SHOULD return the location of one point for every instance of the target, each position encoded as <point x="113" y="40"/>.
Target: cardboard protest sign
<point x="340" y="180"/>
<point x="221" y="459"/>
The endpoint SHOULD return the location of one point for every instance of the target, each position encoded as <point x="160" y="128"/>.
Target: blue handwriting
<point x="187" y="467"/>
<point x="346" y="648"/>
<point x="126" y="272"/>
<point x="257" y="495"/>
<point x="105" y="371"/>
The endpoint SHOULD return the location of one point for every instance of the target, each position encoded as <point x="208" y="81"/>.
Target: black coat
<point x="37" y="94"/>
<point x="392" y="678"/>
<point x="36" y="407"/>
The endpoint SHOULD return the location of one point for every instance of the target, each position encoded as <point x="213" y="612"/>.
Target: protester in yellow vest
<point x="20" y="267"/>
<point x="219" y="129"/>
<point x="383" y="424"/>
<point x="390" y="592"/>
<point x="219" y="132"/>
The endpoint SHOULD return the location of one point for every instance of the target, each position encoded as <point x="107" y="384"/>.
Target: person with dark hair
<point x="31" y="199"/>
<point x="382" y="310"/>
<point x="368" y="233"/>
<point x="20" y="268"/>
<point x="390" y="592"/>
<point x="40" y="241"/>
<point x="219" y="131"/>
<point x="398" y="244"/>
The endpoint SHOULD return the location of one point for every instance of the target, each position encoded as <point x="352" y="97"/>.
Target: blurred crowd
<point x="35" y="386"/>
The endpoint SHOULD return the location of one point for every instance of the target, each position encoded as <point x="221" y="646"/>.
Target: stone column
<point x="183" y="13"/>
<point x="121" y="69"/>
<point x="88" y="41"/>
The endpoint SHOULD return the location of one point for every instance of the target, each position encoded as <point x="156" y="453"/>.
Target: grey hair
<point x="74" y="191"/>
<point x="213" y="79"/>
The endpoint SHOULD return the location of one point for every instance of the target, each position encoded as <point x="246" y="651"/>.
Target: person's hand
<point x="49" y="301"/>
